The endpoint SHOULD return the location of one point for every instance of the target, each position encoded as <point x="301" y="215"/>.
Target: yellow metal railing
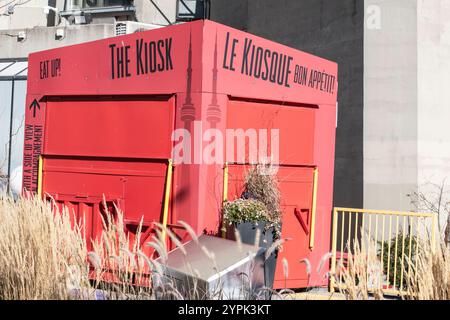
<point x="388" y="240"/>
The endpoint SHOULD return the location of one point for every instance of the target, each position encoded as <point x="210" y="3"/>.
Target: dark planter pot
<point x="247" y="231"/>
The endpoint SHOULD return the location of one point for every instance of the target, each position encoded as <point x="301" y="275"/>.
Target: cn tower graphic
<point x="188" y="109"/>
<point x="213" y="113"/>
<point x="213" y="116"/>
<point x="187" y="114"/>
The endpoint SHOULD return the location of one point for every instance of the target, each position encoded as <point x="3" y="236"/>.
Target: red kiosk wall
<point x="33" y="142"/>
<point x="324" y="152"/>
<point x="201" y="82"/>
<point x="115" y="149"/>
<point x="296" y="134"/>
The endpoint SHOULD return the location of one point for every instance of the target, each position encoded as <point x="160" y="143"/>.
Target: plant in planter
<point x="257" y="215"/>
<point x="261" y="184"/>
<point x="245" y="210"/>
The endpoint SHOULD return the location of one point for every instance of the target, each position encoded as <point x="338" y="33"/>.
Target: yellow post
<point x="333" y="251"/>
<point x="39" y="182"/>
<point x="433" y="233"/>
<point x="225" y="195"/>
<point x="167" y="198"/>
<point x="313" y="208"/>
<point x="225" y="182"/>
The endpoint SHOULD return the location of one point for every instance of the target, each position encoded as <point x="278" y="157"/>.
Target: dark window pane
<point x="20" y="90"/>
<point x="5" y="115"/>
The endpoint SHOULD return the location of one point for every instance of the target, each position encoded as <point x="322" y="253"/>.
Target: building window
<point x="13" y="85"/>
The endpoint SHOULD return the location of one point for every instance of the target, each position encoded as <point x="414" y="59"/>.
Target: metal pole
<point x="8" y="184"/>
<point x="206" y="9"/>
<point x="333" y="251"/>
<point x="162" y="13"/>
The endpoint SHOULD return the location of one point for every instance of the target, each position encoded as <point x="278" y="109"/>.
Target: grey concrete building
<point x="407" y="64"/>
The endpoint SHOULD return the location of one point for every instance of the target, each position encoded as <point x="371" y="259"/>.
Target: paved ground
<point x="319" y="296"/>
<point x="315" y="294"/>
<point x="323" y="294"/>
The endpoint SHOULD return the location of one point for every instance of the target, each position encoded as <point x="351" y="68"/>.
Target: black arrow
<point x="33" y="106"/>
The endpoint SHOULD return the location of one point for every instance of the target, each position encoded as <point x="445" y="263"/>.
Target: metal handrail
<point x="346" y="233"/>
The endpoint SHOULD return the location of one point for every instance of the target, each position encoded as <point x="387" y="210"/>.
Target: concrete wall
<point x="15" y="21"/>
<point x="30" y="14"/>
<point x="147" y="13"/>
<point x="390" y="104"/>
<point x="331" y="29"/>
<point x="433" y="92"/>
<point x="34" y="22"/>
<point x="407" y="70"/>
<point x="433" y="145"/>
<point x="42" y="38"/>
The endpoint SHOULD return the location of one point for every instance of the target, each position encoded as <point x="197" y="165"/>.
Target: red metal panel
<point x="82" y="211"/>
<point x="296" y="140"/>
<point x="295" y="125"/>
<point x="33" y="142"/>
<point x="141" y="195"/>
<point x="115" y="128"/>
<point x="113" y="149"/>
<point x="120" y="65"/>
<point x="254" y="67"/>
<point x="296" y="185"/>
<point x="324" y="158"/>
<point x="91" y="68"/>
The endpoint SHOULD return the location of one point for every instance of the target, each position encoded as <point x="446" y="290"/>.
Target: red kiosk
<point x="105" y="118"/>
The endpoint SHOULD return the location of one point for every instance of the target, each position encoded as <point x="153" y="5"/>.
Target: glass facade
<point x="5" y="119"/>
<point x="12" y="117"/>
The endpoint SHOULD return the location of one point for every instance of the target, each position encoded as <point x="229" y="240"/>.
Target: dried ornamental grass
<point x="360" y="277"/>
<point x="262" y="185"/>
<point x="431" y="277"/>
<point x="41" y="255"/>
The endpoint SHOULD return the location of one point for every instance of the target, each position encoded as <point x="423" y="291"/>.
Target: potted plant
<point x="257" y="212"/>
